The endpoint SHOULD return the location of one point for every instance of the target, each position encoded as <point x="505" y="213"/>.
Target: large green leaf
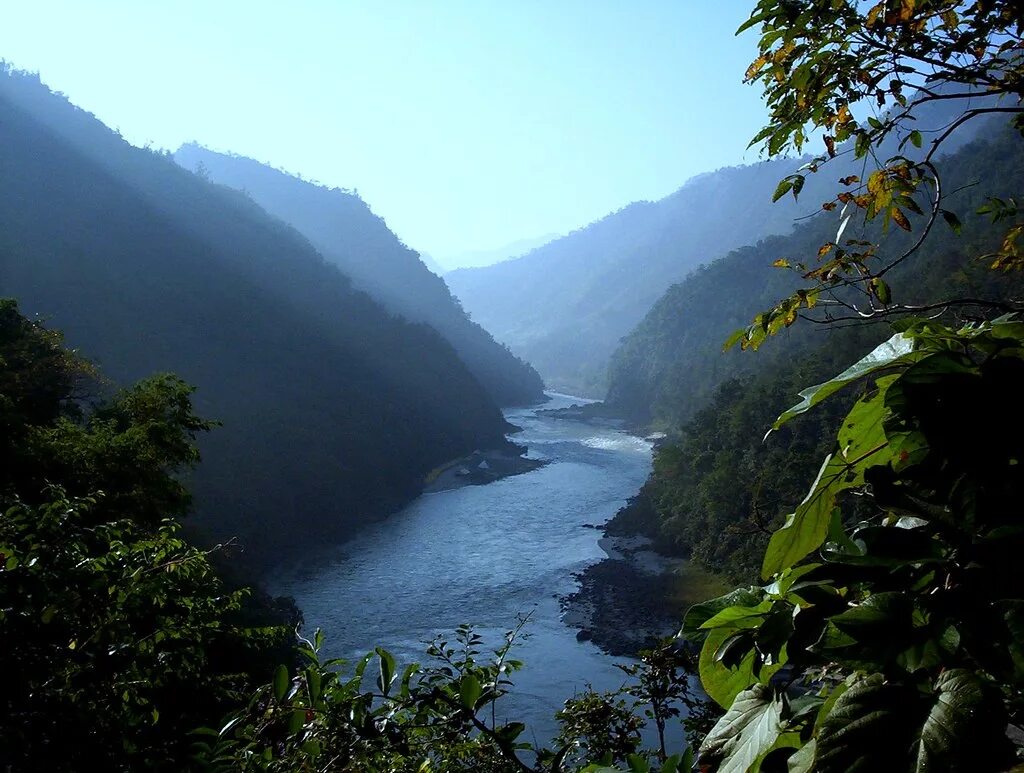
<point x="803" y="760"/>
<point x="896" y="349"/>
<point x="862" y="444"/>
<point x="965" y="727"/>
<point x="693" y="630"/>
<point x="724" y="682"/>
<point x="878" y="725"/>
<point x="469" y="691"/>
<point x="748" y="730"/>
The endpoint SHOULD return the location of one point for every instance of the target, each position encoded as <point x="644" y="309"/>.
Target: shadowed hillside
<point x="332" y="409"/>
<point x="348" y="234"/>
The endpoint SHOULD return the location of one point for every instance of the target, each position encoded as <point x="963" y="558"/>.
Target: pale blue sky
<point x="467" y="125"/>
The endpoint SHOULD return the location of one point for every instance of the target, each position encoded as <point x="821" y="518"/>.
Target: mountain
<point x="718" y="484"/>
<point x="433" y="265"/>
<point x="481" y="258"/>
<point x="347" y="233"/>
<point x="565" y="306"/>
<point x="333" y="409"/>
<point x="669" y="365"/>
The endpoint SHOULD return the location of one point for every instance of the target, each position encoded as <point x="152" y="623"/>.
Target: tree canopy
<point x="887" y="634"/>
<point x="860" y="76"/>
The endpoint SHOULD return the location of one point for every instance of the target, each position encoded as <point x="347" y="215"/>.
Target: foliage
<point x="117" y="637"/>
<point x="904" y="618"/>
<point x="717" y="490"/>
<point x="823" y="64"/>
<point x="671" y="364"/>
<point x="333" y="409"/>
<point x="437" y="717"/>
<point x="600" y="727"/>
<point x="887" y="634"/>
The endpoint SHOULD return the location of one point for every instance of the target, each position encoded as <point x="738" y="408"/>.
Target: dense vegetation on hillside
<point x="124" y="650"/>
<point x="342" y="227"/>
<point x="717" y="488"/>
<point x="332" y="408"/>
<point x="887" y="634"/>
<point x="668" y="367"/>
<point x="117" y="637"/>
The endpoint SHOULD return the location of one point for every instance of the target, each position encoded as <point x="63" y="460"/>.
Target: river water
<point x="483" y="555"/>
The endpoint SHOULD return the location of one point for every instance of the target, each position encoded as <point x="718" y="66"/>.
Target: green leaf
<point x="952" y="221"/>
<point x="723" y="683"/>
<point x="896" y="349"/>
<point x="693" y="621"/>
<point x="750" y="727"/>
<point x="959" y="725"/>
<point x="882" y="291"/>
<point x="387" y="669"/>
<point x="915" y="138"/>
<point x="734" y="339"/>
<point x="312" y="748"/>
<point x="862" y="444"/>
<point x="313" y="682"/>
<point x="803" y="760"/>
<point x="296" y="721"/>
<point x="739" y="617"/>
<point x="784" y="187"/>
<point x="798" y="185"/>
<point x="510" y="732"/>
<point x="281" y="683"/>
<point x="407" y="675"/>
<point x="469" y="691"/>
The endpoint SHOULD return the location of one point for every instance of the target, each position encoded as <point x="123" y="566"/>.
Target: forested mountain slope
<point x="566" y="305"/>
<point x="719" y="486"/>
<point x="347" y="233"/>
<point x="670" y="364"/>
<point x="332" y="408"/>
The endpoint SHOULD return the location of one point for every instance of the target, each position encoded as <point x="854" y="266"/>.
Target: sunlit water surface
<point x="483" y="555"/>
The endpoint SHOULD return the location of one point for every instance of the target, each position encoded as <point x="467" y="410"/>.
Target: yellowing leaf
<point x="901" y="219"/>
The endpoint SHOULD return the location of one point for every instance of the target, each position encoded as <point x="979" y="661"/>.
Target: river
<point x="483" y="555"/>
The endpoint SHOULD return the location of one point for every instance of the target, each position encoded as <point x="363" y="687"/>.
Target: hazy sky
<point x="467" y="125"/>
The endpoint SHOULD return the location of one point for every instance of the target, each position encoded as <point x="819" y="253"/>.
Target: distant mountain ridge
<point x="483" y="258"/>
<point x="349" y="235"/>
<point x="672" y="363"/>
<point x="333" y="409"/>
<point x="566" y="305"/>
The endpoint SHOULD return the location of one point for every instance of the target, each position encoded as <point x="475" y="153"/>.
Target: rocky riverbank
<point x="636" y="595"/>
<point x="481" y="467"/>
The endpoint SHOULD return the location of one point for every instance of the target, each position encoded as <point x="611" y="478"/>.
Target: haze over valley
<point x="462" y="388"/>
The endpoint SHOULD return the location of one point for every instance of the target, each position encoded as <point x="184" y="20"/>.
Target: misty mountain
<point x="672" y="363"/>
<point x="349" y="235"/>
<point x="481" y="258"/>
<point x="718" y="476"/>
<point x="333" y="409"/>
<point x="433" y="265"/>
<point x="565" y="306"/>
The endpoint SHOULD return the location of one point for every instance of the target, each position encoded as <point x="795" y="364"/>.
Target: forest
<point x="297" y="345"/>
<point x="210" y="368"/>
